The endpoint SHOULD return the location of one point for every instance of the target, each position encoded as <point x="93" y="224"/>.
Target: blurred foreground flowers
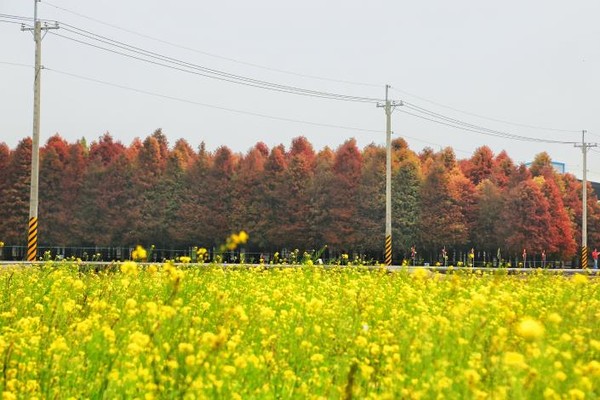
<point x="159" y="331"/>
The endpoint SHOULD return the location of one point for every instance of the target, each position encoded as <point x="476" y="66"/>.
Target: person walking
<point x="595" y="254"/>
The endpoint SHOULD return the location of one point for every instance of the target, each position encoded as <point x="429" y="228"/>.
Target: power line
<point x="595" y="135"/>
<point x="484" y="117"/>
<point x="482" y="132"/>
<point x="16" y="17"/>
<point x="233" y="60"/>
<point x="16" y="64"/>
<point x="148" y="56"/>
<point x="183" y="66"/>
<point x="455" y="123"/>
<point x="11" y="21"/>
<point x="233" y="110"/>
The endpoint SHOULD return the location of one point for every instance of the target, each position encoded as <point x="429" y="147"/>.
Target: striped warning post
<point x="388" y="250"/>
<point x="584" y="257"/>
<point x="32" y="239"/>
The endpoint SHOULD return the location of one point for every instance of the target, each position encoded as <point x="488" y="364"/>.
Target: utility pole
<point x="32" y="233"/>
<point x="388" y="106"/>
<point x="584" y="250"/>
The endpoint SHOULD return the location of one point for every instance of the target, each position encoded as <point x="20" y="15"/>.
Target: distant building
<point x="596" y="187"/>
<point x="558" y="166"/>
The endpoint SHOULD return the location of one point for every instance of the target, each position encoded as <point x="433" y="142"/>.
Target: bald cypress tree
<point x="54" y="210"/>
<point x="527" y="220"/>
<point x="371" y="197"/>
<point x="14" y="195"/>
<point x="347" y="167"/>
<point x="442" y="222"/>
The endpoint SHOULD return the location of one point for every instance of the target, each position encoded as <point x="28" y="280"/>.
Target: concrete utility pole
<point x="32" y="233"/>
<point x="389" y="106"/>
<point x="584" y="250"/>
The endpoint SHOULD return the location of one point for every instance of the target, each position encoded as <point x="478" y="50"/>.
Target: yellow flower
<point x="185" y="347"/>
<point x="514" y="359"/>
<point x="530" y="329"/>
<point x="555" y="318"/>
<point x="560" y="375"/>
<point x="59" y="344"/>
<point x="243" y="236"/>
<point x="139" y="254"/>
<point x="420" y="273"/>
<point x="550" y="394"/>
<point x="366" y="370"/>
<point x="129" y="268"/>
<point x="593" y="368"/>
<point x="472" y="377"/>
<point x="576" y="394"/>
<point x="6" y="395"/>
<point x="1" y="244"/>
<point x="185" y="259"/>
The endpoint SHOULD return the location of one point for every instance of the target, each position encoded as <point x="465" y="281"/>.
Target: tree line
<point x="109" y="194"/>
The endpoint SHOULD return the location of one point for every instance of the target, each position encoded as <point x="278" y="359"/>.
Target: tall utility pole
<point x="584" y="250"/>
<point x="388" y="106"/>
<point x="32" y="233"/>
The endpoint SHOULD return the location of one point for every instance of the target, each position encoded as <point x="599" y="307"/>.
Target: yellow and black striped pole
<point x="584" y="250"/>
<point x="32" y="238"/>
<point x="388" y="177"/>
<point x="32" y="235"/>
<point x="584" y="257"/>
<point x="388" y="250"/>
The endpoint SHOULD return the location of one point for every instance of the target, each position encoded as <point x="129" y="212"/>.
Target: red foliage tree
<point x="442" y="220"/>
<point x="148" y="195"/>
<point x="193" y="210"/>
<point x="54" y="211"/>
<point x="246" y="211"/>
<point x="561" y="226"/>
<point x="215" y="225"/>
<point x="320" y="192"/>
<point x="406" y="201"/>
<point x="527" y="219"/>
<point x="105" y="150"/>
<point x="503" y="170"/>
<point x="106" y="215"/>
<point x="540" y="163"/>
<point x="480" y="166"/>
<point x="371" y="197"/>
<point x="347" y="166"/>
<point x="14" y="197"/>
<point x="273" y="204"/>
<point x="486" y="232"/>
<point x="297" y="177"/>
<point x="184" y="153"/>
<point x="463" y="193"/>
<point x="4" y="161"/>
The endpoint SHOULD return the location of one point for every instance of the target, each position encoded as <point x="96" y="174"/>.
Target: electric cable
<point x="484" y="132"/>
<point x="154" y="94"/>
<point x="233" y="60"/>
<point x="255" y="82"/>
<point x="483" y="116"/>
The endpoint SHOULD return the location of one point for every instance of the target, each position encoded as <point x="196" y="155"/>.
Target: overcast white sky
<point x="530" y="62"/>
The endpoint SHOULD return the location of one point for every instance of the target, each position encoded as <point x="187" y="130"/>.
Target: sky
<point x="524" y="68"/>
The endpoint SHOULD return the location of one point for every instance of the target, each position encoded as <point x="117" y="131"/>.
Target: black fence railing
<point x="123" y="253"/>
<point x="97" y="253"/>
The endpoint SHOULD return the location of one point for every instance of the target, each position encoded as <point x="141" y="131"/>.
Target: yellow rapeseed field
<point x="159" y="331"/>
